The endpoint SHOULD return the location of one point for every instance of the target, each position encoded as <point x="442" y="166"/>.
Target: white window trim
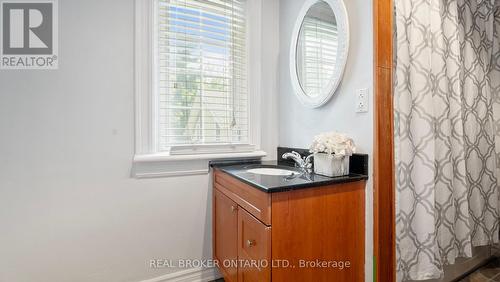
<point x="147" y="163"/>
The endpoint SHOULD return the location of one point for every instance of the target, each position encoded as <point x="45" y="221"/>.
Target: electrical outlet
<point x="362" y="99"/>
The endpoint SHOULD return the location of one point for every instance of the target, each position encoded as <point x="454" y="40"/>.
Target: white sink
<point x="273" y="171"/>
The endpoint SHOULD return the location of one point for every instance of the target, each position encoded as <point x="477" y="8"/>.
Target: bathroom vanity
<point x="276" y="222"/>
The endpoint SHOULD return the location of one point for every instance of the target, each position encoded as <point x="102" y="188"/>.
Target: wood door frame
<point x="384" y="171"/>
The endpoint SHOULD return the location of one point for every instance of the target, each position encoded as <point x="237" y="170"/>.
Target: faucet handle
<point x="289" y="154"/>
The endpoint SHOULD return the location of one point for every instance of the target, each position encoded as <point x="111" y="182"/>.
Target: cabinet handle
<point x="234" y="208"/>
<point x="250" y="243"/>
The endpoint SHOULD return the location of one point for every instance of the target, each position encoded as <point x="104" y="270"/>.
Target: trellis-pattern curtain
<point x="495" y="79"/>
<point x="446" y="91"/>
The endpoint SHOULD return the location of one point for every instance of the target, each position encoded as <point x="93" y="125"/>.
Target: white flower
<point x="333" y="143"/>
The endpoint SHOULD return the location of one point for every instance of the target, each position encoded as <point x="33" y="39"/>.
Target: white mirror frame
<point x="342" y="19"/>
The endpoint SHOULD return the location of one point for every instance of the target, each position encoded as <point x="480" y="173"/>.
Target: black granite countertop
<point x="273" y="183"/>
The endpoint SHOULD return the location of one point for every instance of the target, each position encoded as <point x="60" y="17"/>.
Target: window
<point x="201" y="73"/>
<point x="198" y="73"/>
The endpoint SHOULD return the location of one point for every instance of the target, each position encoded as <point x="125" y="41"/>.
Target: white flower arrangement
<point x="333" y="143"/>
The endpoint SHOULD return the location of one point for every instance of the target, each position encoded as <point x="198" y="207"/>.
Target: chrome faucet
<point x="304" y="163"/>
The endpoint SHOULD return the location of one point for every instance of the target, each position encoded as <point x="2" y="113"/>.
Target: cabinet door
<point x="226" y="235"/>
<point x="254" y="249"/>
<point x="320" y="227"/>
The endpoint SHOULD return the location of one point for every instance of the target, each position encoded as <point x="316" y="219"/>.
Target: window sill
<point x="166" y="165"/>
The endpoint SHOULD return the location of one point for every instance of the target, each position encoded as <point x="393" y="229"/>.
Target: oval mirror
<point x="318" y="53"/>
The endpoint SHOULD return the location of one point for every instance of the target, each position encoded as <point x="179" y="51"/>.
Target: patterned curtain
<point x="446" y="89"/>
<point x="495" y="81"/>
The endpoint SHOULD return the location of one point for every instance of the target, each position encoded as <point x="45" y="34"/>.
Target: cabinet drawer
<point x="254" y="249"/>
<point x="256" y="202"/>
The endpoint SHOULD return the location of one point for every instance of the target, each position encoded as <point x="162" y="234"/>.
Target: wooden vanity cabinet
<point x="257" y="234"/>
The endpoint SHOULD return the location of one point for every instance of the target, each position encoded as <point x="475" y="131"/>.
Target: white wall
<point x="298" y="124"/>
<point x="69" y="210"/>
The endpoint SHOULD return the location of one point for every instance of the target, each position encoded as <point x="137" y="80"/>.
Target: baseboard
<point x="189" y="275"/>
